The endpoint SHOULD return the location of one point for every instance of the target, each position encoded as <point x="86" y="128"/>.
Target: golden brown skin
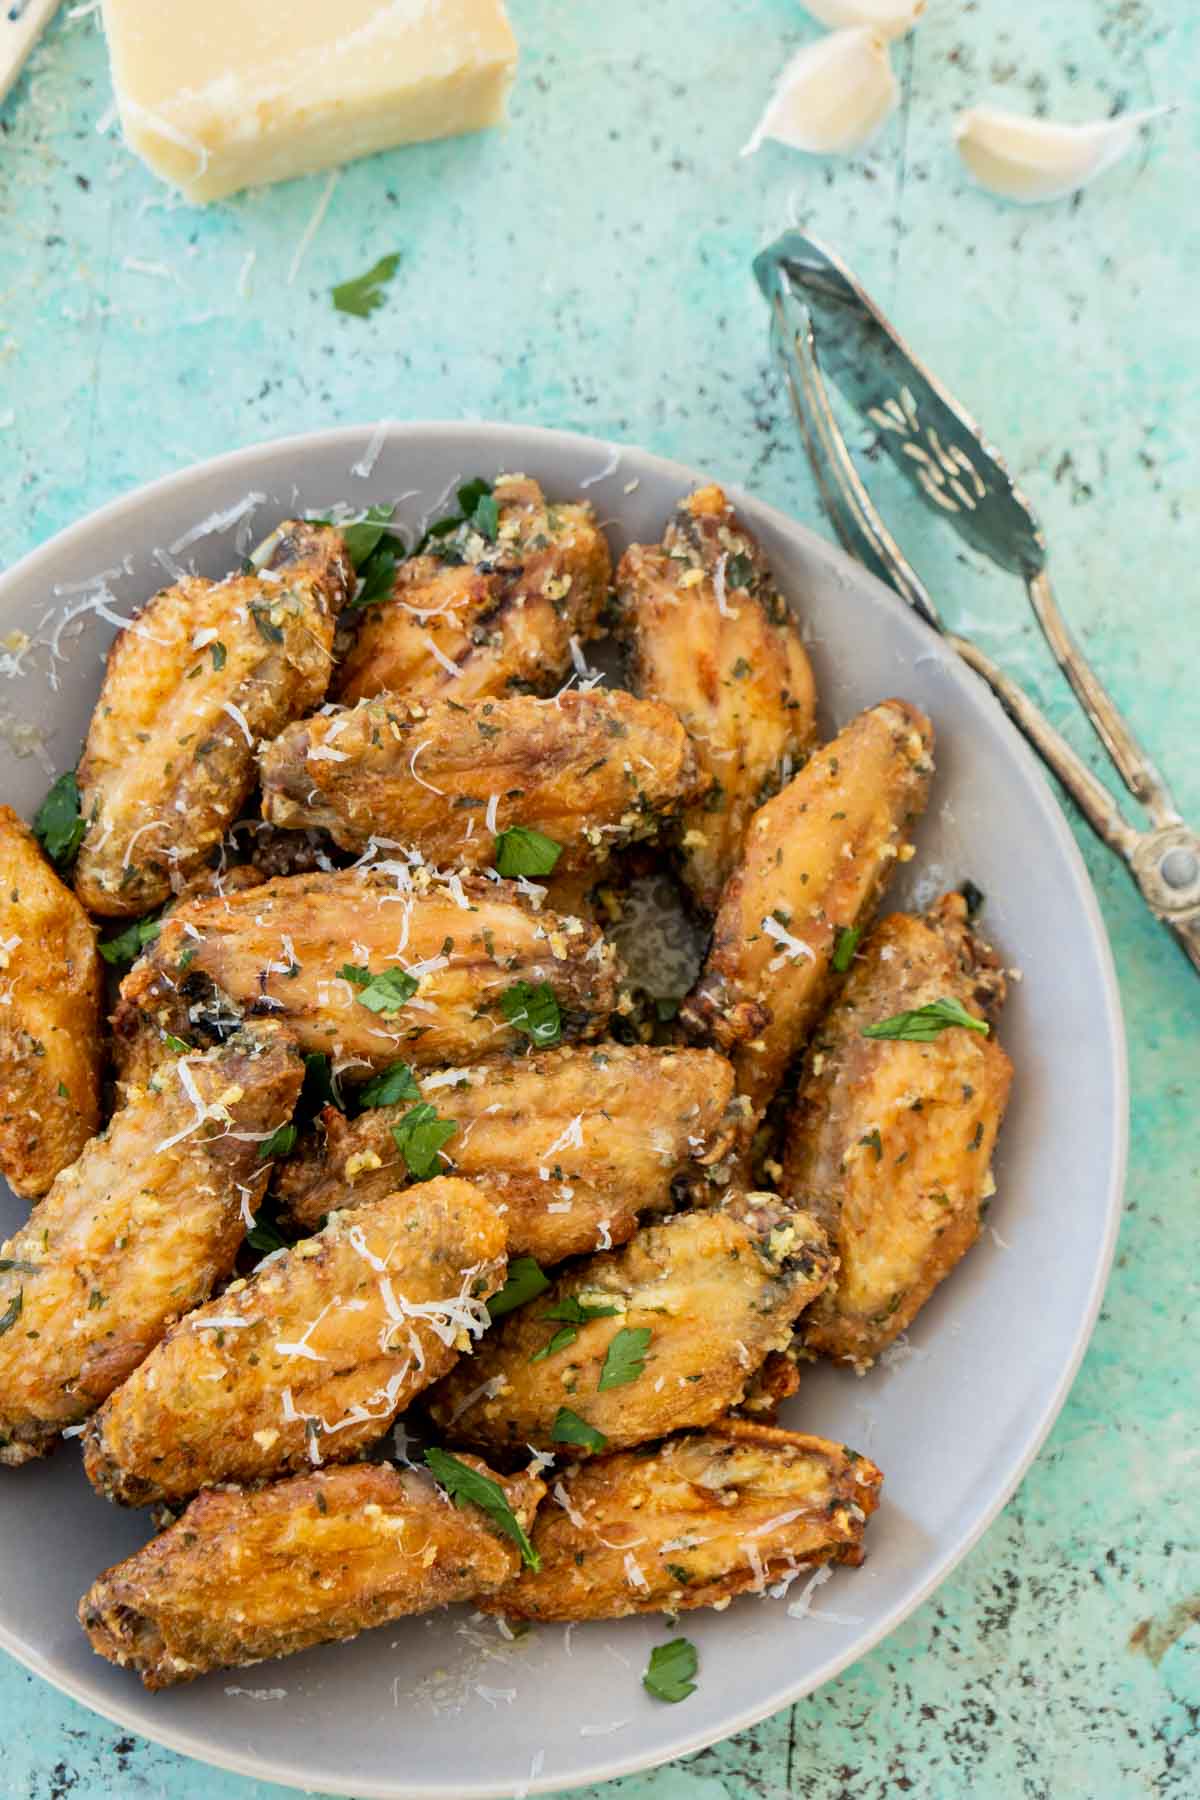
<point x="166" y="765"/>
<point x="280" y="948"/>
<point x="706" y="1516"/>
<point x="135" y="1233"/>
<point x="901" y="1207"/>
<point x="569" y="1141"/>
<point x="245" y="1576"/>
<point x="709" y="634"/>
<point x="504" y="614"/>
<point x="815" y="862"/>
<point x="312" y="1357"/>
<point x="717" y="1290"/>
<point x="592" y="771"/>
<point x="50" y="996"/>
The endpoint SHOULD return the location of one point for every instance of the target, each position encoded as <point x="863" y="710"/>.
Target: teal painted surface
<point x="590" y="268"/>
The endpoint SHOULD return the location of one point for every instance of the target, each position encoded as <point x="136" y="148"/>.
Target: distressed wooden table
<point x="590" y="268"/>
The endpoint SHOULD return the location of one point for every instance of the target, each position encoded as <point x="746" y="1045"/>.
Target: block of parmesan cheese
<point x="218" y="95"/>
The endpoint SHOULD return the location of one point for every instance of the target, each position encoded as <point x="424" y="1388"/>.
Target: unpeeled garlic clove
<point x="890" y="18"/>
<point x="833" y="96"/>
<point x="1028" y="160"/>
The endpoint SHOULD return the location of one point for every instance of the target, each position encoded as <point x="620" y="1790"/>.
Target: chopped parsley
<point x="578" y="1312"/>
<point x="378" y="577"/>
<point x="13" y="1265"/>
<point x="522" y="851"/>
<point x="280" y="1143"/>
<point x="268" y="630"/>
<point x="129" y="944"/>
<point x="523" y="1282"/>
<point x="533" y="1010"/>
<point x="563" y="1338"/>
<point x="477" y="508"/>
<point x="569" y="1428"/>
<point x="179" y="1045"/>
<point x="217" y="651"/>
<point x="385" y="993"/>
<point x="419" y="1138"/>
<point x="926" y="1023"/>
<point x="739" y="572"/>
<point x="363" y="294"/>
<point x="625" y="1358"/>
<point x="845" y="946"/>
<point x="57" y="824"/>
<point x="12" y="1311"/>
<point x="394" y="1083"/>
<point x="466" y="1485"/>
<point x="320" y="1085"/>
<point x="364" y="536"/>
<point x="669" y="1673"/>
<point x="874" y="1142"/>
<point x="263" y="1236"/>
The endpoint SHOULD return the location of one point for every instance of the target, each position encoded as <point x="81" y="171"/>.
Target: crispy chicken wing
<point x="890" y="1143"/>
<point x="815" y="861"/>
<point x="50" y="994"/>
<point x="204" y="671"/>
<point x="135" y="1233"/>
<point x="248" y="1575"/>
<point x="284" y="949"/>
<point x="479" y="617"/>
<point x="701" y="1518"/>
<point x="574" y="1143"/>
<point x="592" y="771"/>
<point x="709" y="634"/>
<point x="313" y="1356"/>
<point x="662" y="1334"/>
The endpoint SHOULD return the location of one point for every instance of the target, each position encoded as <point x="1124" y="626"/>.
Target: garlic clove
<point x="1030" y="160"/>
<point x="833" y="96"/>
<point x="890" y="18"/>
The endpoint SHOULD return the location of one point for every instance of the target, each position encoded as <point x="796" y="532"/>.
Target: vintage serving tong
<point x="822" y="321"/>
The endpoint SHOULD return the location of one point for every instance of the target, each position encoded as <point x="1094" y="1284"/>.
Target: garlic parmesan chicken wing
<point x="815" y="861"/>
<point x="136" y="1232"/>
<point x="481" y="617"/>
<point x="330" y="957"/>
<point x="890" y="1143"/>
<point x="692" y="1522"/>
<point x="50" y="994"/>
<point x="244" y="1576"/>
<point x="709" y="634"/>
<point x="312" y="1357"/>
<point x="574" y="1143"/>
<point x="192" y="683"/>
<point x="665" y="1333"/>
<point x="592" y="771"/>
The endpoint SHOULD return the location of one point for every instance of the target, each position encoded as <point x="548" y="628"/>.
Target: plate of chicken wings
<point x="562" y="1104"/>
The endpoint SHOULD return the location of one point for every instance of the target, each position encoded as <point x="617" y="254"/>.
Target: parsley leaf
<point x="364" y="536"/>
<point x="670" y="1670"/>
<point x="179" y="1045"/>
<point x="476" y="507"/>
<point x="263" y="1236"/>
<point x="419" y="1138"/>
<point x="578" y="1312"/>
<point x="394" y="1083"/>
<point x="522" y="851"/>
<point x="562" y="1340"/>
<point x="129" y="944"/>
<point x="378" y="577"/>
<point x="523" y="1282"/>
<point x="320" y="1085"/>
<point x="363" y="294"/>
<point x="464" y="1484"/>
<point x="926" y="1023"/>
<point x="569" y="1428"/>
<point x="385" y="993"/>
<point x="12" y="1311"/>
<point x="280" y="1143"/>
<point x="486" y="517"/>
<point x="624" y="1360"/>
<point x="57" y="824"/>
<point x="533" y="1010"/>
<point x="845" y="946"/>
<point x="217" y="650"/>
<point x="267" y="629"/>
<point x="739" y="572"/>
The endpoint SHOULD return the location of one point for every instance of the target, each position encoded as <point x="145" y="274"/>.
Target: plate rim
<point x="687" y="1742"/>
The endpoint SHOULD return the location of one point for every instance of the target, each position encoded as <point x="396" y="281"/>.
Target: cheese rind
<point x="216" y="95"/>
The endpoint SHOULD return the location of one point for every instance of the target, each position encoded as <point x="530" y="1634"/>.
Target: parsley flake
<point x="419" y="1138"/>
<point x="524" y="1281"/>
<point x="280" y="1143"/>
<point x="464" y="1484"/>
<point x="57" y="824"/>
<point x="569" y="1428"/>
<point x="217" y="651"/>
<point x="522" y="851"/>
<point x="670" y="1670"/>
<point x="578" y="1312"/>
<point x="396" y="1082"/>
<point x="563" y="1338"/>
<point x="12" y="1311"/>
<point x="363" y="294"/>
<point x="263" y="1236"/>
<point x="533" y="1010"/>
<point x="385" y="993"/>
<point x="625" y="1358"/>
<point x="844" y="947"/>
<point x="926" y="1023"/>
<point x="129" y="944"/>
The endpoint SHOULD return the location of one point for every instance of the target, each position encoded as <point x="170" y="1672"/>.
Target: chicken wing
<point x="204" y="671"/>
<point x="697" y="1520"/>
<point x="248" y="1575"/>
<point x="333" y="957"/>
<point x="574" y="1143"/>
<point x="815" y="862"/>
<point x="890" y="1143"/>
<point x="628" y="1346"/>
<point x="710" y="635"/>
<point x="135" y="1233"/>
<point x="312" y="1357"/>
<point x="50" y="994"/>
<point x="592" y="771"/>
<point x="483" y="616"/>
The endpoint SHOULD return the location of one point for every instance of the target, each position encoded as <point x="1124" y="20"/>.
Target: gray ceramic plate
<point x="443" y="1706"/>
